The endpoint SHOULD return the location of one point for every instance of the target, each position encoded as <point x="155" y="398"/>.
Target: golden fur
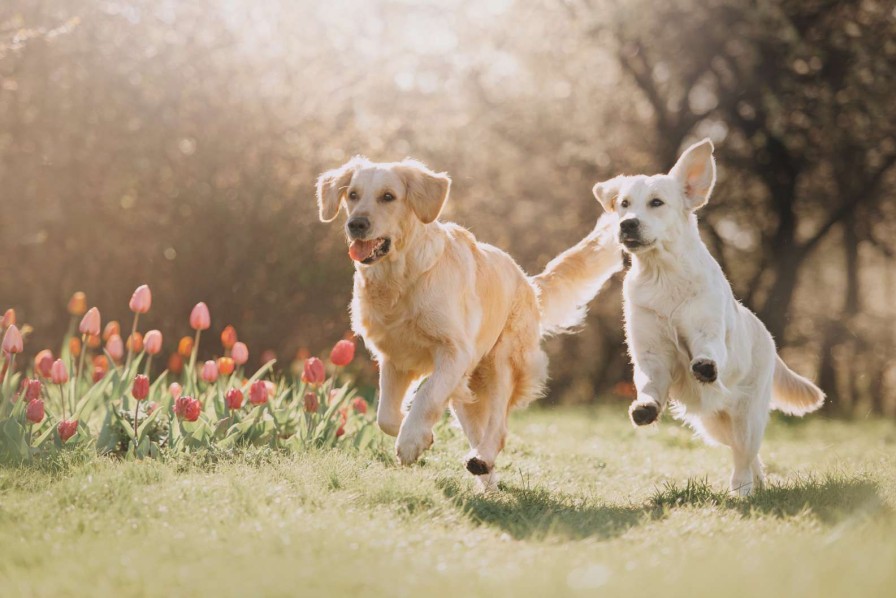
<point x="459" y="312"/>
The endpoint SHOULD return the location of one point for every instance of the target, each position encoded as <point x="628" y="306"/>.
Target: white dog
<point x="690" y="340"/>
<point x="430" y="301"/>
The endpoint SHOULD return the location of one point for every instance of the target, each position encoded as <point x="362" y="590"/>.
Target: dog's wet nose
<point x="358" y="226"/>
<point x="629" y="225"/>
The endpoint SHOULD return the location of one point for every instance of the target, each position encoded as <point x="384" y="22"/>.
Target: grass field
<point x="588" y="504"/>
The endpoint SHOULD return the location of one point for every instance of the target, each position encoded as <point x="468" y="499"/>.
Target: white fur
<point x="680" y="312"/>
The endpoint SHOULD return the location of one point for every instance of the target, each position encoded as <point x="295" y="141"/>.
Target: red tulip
<point x="141" y="300"/>
<point x="90" y="323"/>
<point x="234" y="398"/>
<point x="9" y="318"/>
<point x="58" y="372"/>
<point x="175" y="390"/>
<point x="140" y="388"/>
<point x="115" y="347"/>
<point x="67" y="428"/>
<point x="340" y="431"/>
<point x="12" y="340"/>
<point x="228" y="337"/>
<point x="258" y="393"/>
<point x="343" y="353"/>
<point x="152" y="342"/>
<point x="175" y="363"/>
<point x="32" y="389"/>
<point x="43" y="361"/>
<point x="359" y="405"/>
<point x="187" y="408"/>
<point x="239" y="353"/>
<point x="225" y="366"/>
<point x="34" y="412"/>
<point x="200" y="319"/>
<point x="110" y="329"/>
<point x="98" y="374"/>
<point x="77" y="305"/>
<point x="314" y="372"/>
<point x="209" y="371"/>
<point x="311" y="402"/>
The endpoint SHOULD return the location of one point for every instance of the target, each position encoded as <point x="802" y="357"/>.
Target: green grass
<point x="587" y="504"/>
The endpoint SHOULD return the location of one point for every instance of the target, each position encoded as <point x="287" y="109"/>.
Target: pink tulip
<point x="12" y="340"/>
<point x="141" y="300"/>
<point x="239" y="353"/>
<point x="90" y="323"/>
<point x="34" y="412"/>
<point x="234" y="398"/>
<point x="9" y="318"/>
<point x="140" y="388"/>
<point x="209" y="371"/>
<point x="200" y="319"/>
<point x="175" y="390"/>
<point x="67" y="428"/>
<point x="58" y="372"/>
<point x="32" y="389"/>
<point x="343" y="353"/>
<point x="152" y="342"/>
<point x="313" y="372"/>
<point x="115" y="347"/>
<point x="43" y="361"/>
<point x="258" y="393"/>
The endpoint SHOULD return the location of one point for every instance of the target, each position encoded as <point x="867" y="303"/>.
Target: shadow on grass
<point x="831" y="499"/>
<point x="535" y="513"/>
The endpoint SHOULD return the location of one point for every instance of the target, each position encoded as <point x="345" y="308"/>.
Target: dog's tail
<point x="574" y="277"/>
<point x="793" y="394"/>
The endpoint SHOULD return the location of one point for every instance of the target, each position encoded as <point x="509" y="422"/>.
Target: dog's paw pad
<point x="477" y="466"/>
<point x="704" y="370"/>
<point x="643" y="414"/>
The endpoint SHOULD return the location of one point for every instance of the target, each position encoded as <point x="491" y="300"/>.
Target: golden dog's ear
<point x="696" y="171"/>
<point x="607" y="193"/>
<point x="331" y="187"/>
<point x="427" y="191"/>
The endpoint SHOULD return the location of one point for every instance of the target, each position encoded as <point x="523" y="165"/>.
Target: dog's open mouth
<point x="634" y="244"/>
<point x="367" y="252"/>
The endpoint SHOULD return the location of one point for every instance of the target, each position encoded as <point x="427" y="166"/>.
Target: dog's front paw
<point x="644" y="412"/>
<point x="411" y="444"/>
<point x="704" y="370"/>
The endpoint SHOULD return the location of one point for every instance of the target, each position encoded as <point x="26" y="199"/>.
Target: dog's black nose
<point x="629" y="225"/>
<point x="358" y="226"/>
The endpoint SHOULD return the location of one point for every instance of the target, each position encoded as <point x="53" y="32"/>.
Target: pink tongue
<point x="361" y="250"/>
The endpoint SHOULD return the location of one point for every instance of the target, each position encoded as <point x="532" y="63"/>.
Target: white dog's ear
<point x="427" y="191"/>
<point x="607" y="193"/>
<point x="696" y="170"/>
<point x="331" y="187"/>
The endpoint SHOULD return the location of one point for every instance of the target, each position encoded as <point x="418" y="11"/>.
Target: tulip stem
<point x="62" y="400"/>
<point x="136" y="415"/>
<point x="76" y="374"/>
<point x="191" y="370"/>
<point x="127" y="363"/>
<point x="148" y="364"/>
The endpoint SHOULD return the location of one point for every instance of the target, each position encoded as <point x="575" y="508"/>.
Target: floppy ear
<point x="427" y="191"/>
<point x="607" y="193"/>
<point x="696" y="171"/>
<point x="331" y="188"/>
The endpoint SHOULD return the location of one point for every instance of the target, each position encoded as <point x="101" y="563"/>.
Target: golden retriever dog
<point x="432" y="302"/>
<point x="690" y="340"/>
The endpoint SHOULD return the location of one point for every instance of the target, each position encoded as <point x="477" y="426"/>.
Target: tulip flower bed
<point x="100" y="393"/>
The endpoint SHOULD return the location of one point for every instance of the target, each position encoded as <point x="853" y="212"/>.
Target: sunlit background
<point x="177" y="143"/>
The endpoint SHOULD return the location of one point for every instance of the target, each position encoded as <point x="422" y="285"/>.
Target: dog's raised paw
<point x="643" y="414"/>
<point x="477" y="466"/>
<point x="704" y="370"/>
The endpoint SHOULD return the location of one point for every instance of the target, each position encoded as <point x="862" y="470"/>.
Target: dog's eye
<point x="656" y="202"/>
<point x="352" y="195"/>
<point x="388" y="197"/>
<point x="623" y="203"/>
